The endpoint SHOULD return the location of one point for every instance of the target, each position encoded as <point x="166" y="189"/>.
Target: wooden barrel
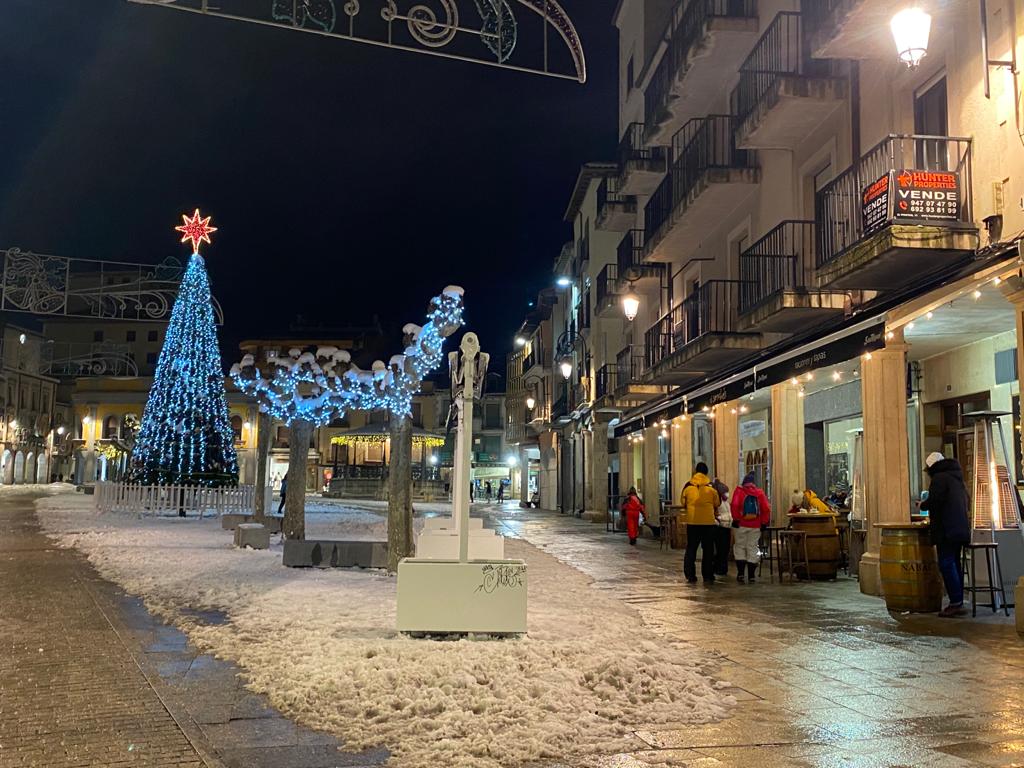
<point x="908" y="569"/>
<point x="679" y="534"/>
<point x="822" y="544"/>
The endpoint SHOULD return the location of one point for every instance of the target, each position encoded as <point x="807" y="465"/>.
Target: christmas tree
<point x="186" y="436"/>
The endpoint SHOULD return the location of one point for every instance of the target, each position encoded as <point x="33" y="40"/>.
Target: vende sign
<point x="907" y="194"/>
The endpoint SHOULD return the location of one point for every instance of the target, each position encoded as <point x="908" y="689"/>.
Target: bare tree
<point x="400" y="536"/>
<point x="262" y="451"/>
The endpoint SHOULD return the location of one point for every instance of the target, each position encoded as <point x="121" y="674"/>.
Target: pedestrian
<point x="501" y="491"/>
<point x="751" y="515"/>
<point x="487" y="490"/>
<point x="948" y="525"/>
<point x="632" y="509"/>
<point x="700" y="500"/>
<point x="284" y="491"/>
<point x="723" y="531"/>
<point x="472" y="491"/>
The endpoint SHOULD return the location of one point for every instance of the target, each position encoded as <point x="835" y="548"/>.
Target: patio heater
<point x="995" y="503"/>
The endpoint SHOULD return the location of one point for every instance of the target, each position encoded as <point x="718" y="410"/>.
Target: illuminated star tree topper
<point x="197" y="229"/>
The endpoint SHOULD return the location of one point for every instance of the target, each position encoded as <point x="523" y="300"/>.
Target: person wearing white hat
<point x="948" y="525"/>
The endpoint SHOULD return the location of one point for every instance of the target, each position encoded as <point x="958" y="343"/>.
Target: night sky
<point x="346" y="180"/>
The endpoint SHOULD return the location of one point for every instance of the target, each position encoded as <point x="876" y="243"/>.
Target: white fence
<point x="172" y="499"/>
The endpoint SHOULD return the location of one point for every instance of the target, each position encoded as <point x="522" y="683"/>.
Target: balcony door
<point x="931" y="118"/>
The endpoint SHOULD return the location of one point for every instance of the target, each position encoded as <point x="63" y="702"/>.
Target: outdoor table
<point x="908" y="569"/>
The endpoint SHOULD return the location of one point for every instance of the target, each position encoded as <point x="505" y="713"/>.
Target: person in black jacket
<point x="948" y="525"/>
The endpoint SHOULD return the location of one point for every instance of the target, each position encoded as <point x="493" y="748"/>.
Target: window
<point x="129" y="336"/>
<point x="492" y="416"/>
<point x="341" y="421"/>
<point x="629" y="75"/>
<point x="417" y="414"/>
<point x="931" y="119"/>
<point x="236" y="428"/>
<point x="97" y="335"/>
<point x="153" y="336"/>
<point x="111" y="428"/>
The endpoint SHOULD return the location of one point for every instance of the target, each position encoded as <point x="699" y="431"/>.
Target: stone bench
<point x="321" y="553"/>
<point x="252" y="535"/>
<point x="232" y="520"/>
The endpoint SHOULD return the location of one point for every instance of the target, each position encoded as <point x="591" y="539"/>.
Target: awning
<point x="840" y="346"/>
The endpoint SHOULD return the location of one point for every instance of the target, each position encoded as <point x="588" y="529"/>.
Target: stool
<point x="995" y="576"/>
<point x="844" y="551"/>
<point x="771" y="549"/>
<point x="791" y="538"/>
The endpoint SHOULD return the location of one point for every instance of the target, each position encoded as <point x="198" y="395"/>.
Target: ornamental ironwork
<point x="540" y="40"/>
<point x="40" y="284"/>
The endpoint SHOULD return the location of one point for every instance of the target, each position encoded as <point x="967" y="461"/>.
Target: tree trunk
<point x="294" y="525"/>
<point x="262" y="451"/>
<point x="400" y="540"/>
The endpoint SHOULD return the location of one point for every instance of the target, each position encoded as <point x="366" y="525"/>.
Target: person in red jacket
<point x="632" y="508"/>
<point x="751" y="514"/>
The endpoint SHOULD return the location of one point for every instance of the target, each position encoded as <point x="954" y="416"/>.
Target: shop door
<point x="931" y="118"/>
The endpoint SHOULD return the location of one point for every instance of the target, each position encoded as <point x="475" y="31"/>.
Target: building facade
<point x="824" y="245"/>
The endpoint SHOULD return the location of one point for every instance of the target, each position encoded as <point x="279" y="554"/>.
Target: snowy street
<point x="624" y="665"/>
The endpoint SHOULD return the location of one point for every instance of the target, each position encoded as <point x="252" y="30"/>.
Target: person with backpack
<point x="700" y="500"/>
<point x="632" y="509"/>
<point x="949" y="526"/>
<point x="723" y="532"/>
<point x="751" y="515"/>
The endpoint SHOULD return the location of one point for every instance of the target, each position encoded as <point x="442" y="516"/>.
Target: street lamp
<point x="630" y="304"/>
<point x="530" y="402"/>
<point x="520" y="341"/>
<point x="910" y="30"/>
<point x="566" y="367"/>
<point x="563" y="282"/>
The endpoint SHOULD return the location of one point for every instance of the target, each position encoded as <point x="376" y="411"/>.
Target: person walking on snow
<point x="948" y="525"/>
<point x="751" y="515"/>
<point x="501" y="491"/>
<point x="284" y="491"/>
<point x="700" y="501"/>
<point x="632" y="508"/>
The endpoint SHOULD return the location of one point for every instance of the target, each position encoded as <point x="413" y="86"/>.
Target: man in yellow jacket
<point x="700" y="500"/>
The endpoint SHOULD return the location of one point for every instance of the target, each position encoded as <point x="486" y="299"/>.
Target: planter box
<point x="313" y="553"/>
<point x="449" y="597"/>
<point x="231" y="521"/>
<point x="252" y="535"/>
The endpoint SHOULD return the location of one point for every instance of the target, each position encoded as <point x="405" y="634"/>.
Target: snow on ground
<point x="321" y="644"/>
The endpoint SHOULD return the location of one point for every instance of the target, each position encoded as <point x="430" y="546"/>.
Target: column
<point x="626" y="476"/>
<point x="681" y="454"/>
<point x="1013" y="290"/>
<point x="547" y="478"/>
<point x="886" y="456"/>
<point x="788" y="453"/>
<point x="597" y="476"/>
<point x="89" y="427"/>
<point x="649" y="478"/>
<point x="524" y="476"/>
<point x="727" y="446"/>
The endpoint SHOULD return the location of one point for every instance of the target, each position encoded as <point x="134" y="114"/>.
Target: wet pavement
<point x="823" y="676"/>
<point x="89" y="678"/>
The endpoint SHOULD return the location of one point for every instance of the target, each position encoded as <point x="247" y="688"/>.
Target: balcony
<point x="707" y="41"/>
<point x="698" y="336"/>
<point x="783" y="94"/>
<point x="707" y="179"/>
<point x="849" y="29"/>
<point x="616" y="212"/>
<point x="904" y="209"/>
<point x="640" y="167"/>
<point x="607" y="292"/>
<point x="629" y="388"/>
<point x="630" y="260"/>
<point x="535" y="362"/>
<point x="777" y="291"/>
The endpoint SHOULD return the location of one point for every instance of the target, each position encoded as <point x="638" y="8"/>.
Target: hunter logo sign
<point x="907" y="194"/>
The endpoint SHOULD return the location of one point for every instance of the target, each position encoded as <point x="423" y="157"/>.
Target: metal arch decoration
<point x="488" y="34"/>
<point x="41" y="284"/>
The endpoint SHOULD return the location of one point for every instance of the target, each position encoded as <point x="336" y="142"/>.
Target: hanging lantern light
<point x="566" y="367"/>
<point x="630" y="305"/>
<point x="530" y="402"/>
<point x="910" y="30"/>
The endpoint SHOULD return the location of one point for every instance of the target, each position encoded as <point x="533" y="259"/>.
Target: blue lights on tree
<point x="186" y="435"/>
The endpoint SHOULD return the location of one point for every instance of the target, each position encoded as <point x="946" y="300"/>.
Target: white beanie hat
<point x="932" y="458"/>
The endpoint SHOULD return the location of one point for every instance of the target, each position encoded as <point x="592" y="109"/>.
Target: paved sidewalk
<point x="89" y="678"/>
<point x="823" y="675"/>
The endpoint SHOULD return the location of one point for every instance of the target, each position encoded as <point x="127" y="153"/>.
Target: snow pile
<point x="321" y="645"/>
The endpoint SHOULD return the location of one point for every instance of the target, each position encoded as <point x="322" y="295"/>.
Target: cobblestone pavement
<point x="89" y="678"/>
<point x="823" y="676"/>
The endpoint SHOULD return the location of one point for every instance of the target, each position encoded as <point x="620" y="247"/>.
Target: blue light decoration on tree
<point x="317" y="387"/>
<point x="186" y="436"/>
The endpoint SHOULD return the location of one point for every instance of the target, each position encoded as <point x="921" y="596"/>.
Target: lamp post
<point x="565" y="349"/>
<point x="531" y="399"/>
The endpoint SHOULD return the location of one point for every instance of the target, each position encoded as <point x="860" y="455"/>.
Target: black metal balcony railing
<point x="632" y="148"/>
<point x="708" y="309"/>
<point x="702" y="144"/>
<point x="561" y="407"/>
<point x="535" y="357"/>
<point x="608" y="192"/>
<point x="838" y="206"/>
<point x="583" y="312"/>
<point x="780" y="52"/>
<point x="606" y="380"/>
<point x="630" y="253"/>
<point x="630" y="364"/>
<point x="607" y="285"/>
<point x="688" y="26"/>
<point x="781" y="260"/>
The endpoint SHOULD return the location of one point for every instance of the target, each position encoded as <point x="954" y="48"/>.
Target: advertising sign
<point x="909" y="194"/>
